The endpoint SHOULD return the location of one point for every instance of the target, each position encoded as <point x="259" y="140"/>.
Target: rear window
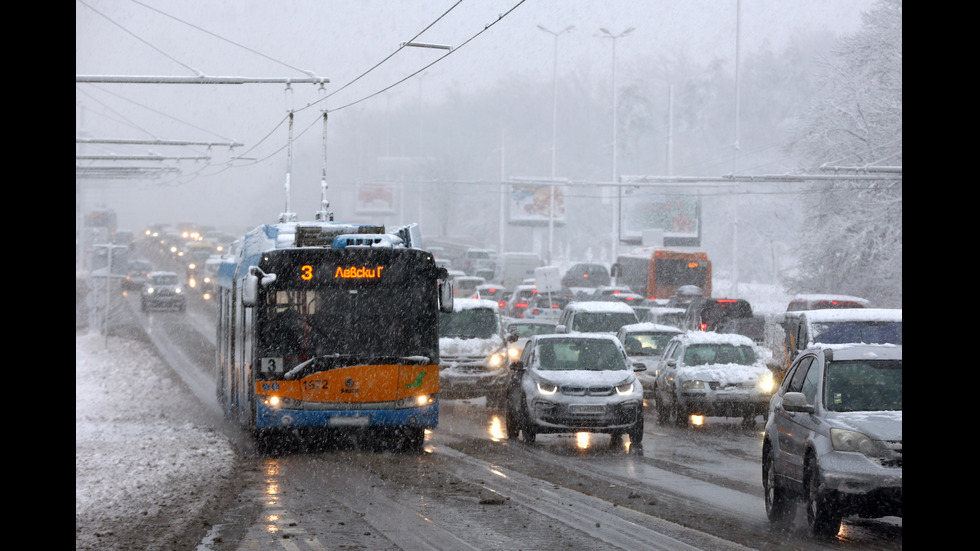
<point x="868" y="332"/>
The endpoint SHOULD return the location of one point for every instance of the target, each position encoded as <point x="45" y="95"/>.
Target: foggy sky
<point x="341" y="41"/>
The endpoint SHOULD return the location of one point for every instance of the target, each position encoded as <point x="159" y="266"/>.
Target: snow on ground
<point x="143" y="465"/>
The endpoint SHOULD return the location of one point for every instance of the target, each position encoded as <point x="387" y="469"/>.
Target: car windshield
<point x="579" y="355"/>
<point x="166" y="279"/>
<point x="869" y="332"/>
<point x="704" y="354"/>
<point x="598" y="322"/>
<point x="864" y="385"/>
<point x="647" y="344"/>
<point x="473" y="323"/>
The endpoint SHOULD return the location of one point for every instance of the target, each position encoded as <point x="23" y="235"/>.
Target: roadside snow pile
<point x="143" y="461"/>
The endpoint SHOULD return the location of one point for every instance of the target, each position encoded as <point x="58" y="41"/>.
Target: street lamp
<point x="619" y="199"/>
<point x="554" y="134"/>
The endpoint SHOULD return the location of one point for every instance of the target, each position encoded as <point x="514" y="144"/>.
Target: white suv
<point x="712" y="374"/>
<point x="595" y="317"/>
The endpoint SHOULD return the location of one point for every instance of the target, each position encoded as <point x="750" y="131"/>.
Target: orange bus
<point x="672" y="269"/>
<point x="657" y="273"/>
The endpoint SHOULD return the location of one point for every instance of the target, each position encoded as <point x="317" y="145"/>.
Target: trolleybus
<point x="657" y="273"/>
<point x="325" y="325"/>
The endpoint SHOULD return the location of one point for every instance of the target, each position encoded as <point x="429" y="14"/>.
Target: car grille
<point x="894" y="458"/>
<point x="569" y="390"/>
<point x="465" y="364"/>
<point x="715" y="385"/>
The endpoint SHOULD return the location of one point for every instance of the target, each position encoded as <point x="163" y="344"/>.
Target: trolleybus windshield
<point x="345" y="309"/>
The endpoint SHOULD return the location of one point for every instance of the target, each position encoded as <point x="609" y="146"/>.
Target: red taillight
<point x="726" y="300"/>
<point x="703" y="326"/>
<point x="536" y="311"/>
<point x="521" y="305"/>
<point x="501" y="304"/>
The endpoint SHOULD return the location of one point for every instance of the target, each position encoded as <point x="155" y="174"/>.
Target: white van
<point x="513" y="268"/>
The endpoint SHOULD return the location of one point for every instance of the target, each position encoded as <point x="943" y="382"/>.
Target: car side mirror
<point x="671" y="363"/>
<point x="796" y="401"/>
<point x="561" y="329"/>
<point x="516" y="365"/>
<point x="512" y="337"/>
<point x="639" y="366"/>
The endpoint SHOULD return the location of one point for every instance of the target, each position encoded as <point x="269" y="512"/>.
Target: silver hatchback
<point x="834" y="437"/>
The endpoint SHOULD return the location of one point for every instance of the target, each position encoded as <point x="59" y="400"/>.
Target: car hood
<point x="877" y="425"/>
<point x="455" y="346"/>
<point x="726" y="374"/>
<point x="584" y="378"/>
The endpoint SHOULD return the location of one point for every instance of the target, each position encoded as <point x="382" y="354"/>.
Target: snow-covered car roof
<point x="580" y="336"/>
<point x="648" y="327"/>
<point x="600" y="306"/>
<point x="821" y="297"/>
<point x="854" y="314"/>
<point x="710" y="337"/>
<point x="154" y="274"/>
<point x="473" y="303"/>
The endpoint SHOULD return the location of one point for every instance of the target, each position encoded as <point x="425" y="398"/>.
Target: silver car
<point x="711" y="374"/>
<point x="834" y="437"/>
<point x="574" y="383"/>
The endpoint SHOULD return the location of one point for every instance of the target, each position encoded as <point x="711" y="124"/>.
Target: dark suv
<point x="586" y="275"/>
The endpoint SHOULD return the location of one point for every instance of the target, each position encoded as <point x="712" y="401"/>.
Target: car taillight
<point x="521" y="305"/>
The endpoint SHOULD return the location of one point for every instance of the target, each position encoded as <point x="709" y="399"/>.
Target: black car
<point x="586" y="275"/>
<point x="710" y="314"/>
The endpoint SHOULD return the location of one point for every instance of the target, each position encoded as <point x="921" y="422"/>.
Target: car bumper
<point x="552" y="416"/>
<point x="165" y="302"/>
<point x="459" y="382"/>
<point x="862" y="486"/>
<point x="724" y="404"/>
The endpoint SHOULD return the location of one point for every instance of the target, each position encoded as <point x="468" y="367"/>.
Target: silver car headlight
<point x="852" y="441"/>
<point x="547" y="389"/>
<point x="624" y="388"/>
<point x="767" y="383"/>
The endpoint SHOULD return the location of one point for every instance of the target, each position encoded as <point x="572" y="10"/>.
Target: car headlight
<point x="624" y="388"/>
<point x="693" y="385"/>
<point x="177" y="290"/>
<point x="767" y="383"/>
<point x="497" y="359"/>
<point x="852" y="441"/>
<point x="547" y="388"/>
<point x="513" y="353"/>
<point x="149" y="290"/>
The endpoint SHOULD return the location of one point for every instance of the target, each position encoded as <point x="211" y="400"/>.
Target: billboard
<point x="375" y="199"/>
<point x="679" y="217"/>
<point x="530" y="203"/>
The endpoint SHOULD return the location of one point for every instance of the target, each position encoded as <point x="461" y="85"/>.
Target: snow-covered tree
<point x="851" y="235"/>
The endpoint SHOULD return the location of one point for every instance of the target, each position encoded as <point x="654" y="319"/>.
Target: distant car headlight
<point x="177" y="290"/>
<point x="547" y="388"/>
<point x="149" y="290"/>
<point x="693" y="385"/>
<point x="853" y="441"/>
<point x="513" y="353"/>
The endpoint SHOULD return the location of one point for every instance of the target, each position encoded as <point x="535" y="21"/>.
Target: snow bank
<point x="141" y="454"/>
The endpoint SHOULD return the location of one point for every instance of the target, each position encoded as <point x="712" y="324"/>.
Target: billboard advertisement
<point x="677" y="215"/>
<point x="375" y="199"/>
<point x="530" y="203"/>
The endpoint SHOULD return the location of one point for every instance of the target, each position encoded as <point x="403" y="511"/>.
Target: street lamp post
<point x="615" y="175"/>
<point x="554" y="135"/>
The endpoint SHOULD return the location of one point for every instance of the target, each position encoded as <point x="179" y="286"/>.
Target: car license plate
<point x="588" y="409"/>
<point x="355" y="421"/>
